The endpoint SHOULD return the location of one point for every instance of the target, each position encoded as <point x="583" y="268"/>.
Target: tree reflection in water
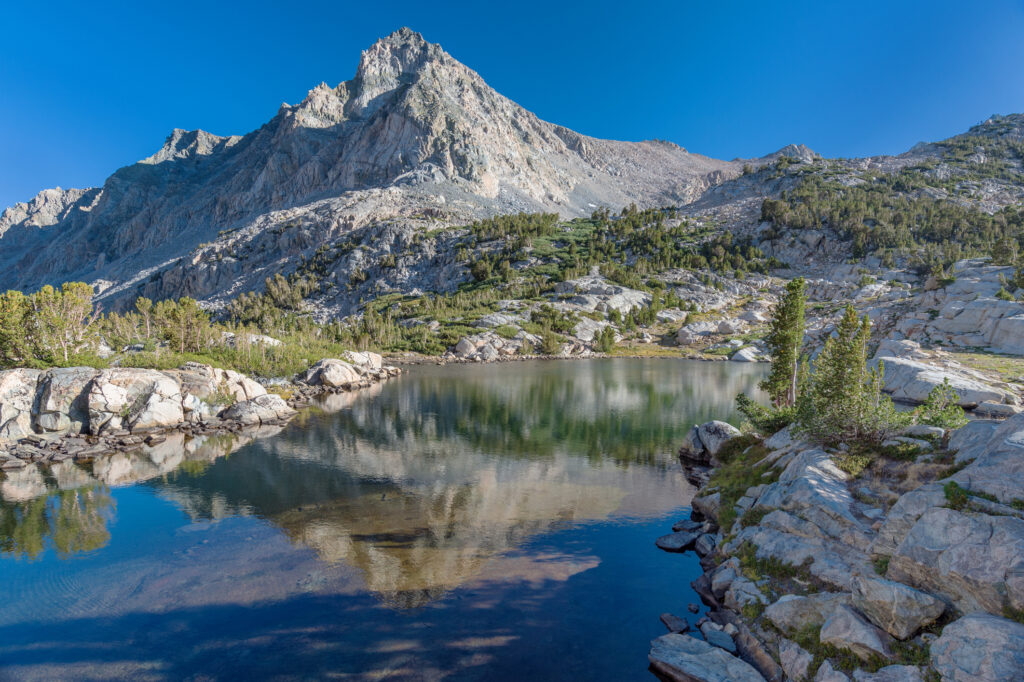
<point x="70" y="520"/>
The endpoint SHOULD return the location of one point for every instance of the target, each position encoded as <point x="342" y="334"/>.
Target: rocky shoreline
<point x="911" y="570"/>
<point x="81" y="413"/>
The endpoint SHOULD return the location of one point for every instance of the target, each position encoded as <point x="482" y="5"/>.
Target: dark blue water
<point x="460" y="523"/>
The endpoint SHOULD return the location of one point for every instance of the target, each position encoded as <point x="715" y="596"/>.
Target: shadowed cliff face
<point x="414" y="134"/>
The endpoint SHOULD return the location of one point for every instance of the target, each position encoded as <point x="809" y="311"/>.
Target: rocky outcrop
<point x="595" y="293"/>
<point x="17" y="393"/>
<point x="715" y="434"/>
<point x="845" y="629"/>
<point x="794" y="612"/>
<point x="973" y="560"/>
<point x="910" y="381"/>
<point x="133" y="400"/>
<point x="967" y="312"/>
<point x="331" y="373"/>
<point x="265" y="409"/>
<point x="37" y="408"/>
<point x="980" y="648"/>
<point x="896" y="608"/>
<point x="61" y="403"/>
<point x="681" y="658"/>
<point x="704" y="441"/>
<point x="490" y="347"/>
<point x="885" y="573"/>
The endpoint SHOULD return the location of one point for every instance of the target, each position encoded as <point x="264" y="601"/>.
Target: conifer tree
<point x="785" y="337"/>
<point x="843" y="400"/>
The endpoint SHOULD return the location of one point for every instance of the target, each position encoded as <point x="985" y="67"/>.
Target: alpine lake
<point x="464" y="522"/>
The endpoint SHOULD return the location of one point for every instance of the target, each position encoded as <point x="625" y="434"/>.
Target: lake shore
<point x="889" y="573"/>
<point x="80" y="413"/>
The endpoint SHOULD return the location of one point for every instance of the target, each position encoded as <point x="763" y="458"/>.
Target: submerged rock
<point x="678" y="541"/>
<point x="674" y="623"/>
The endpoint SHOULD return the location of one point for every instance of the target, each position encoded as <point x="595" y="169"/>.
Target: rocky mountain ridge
<point x="415" y="138"/>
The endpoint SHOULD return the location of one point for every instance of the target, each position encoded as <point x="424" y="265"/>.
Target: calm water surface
<point x="459" y="523"/>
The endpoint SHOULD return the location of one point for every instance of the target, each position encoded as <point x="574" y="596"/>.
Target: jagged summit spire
<point x="403" y="35"/>
<point x="391" y="61"/>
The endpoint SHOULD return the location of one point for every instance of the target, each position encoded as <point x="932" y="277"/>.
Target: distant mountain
<point x="414" y="139"/>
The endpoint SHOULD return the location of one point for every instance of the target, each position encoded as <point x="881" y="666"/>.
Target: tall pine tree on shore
<point x="784" y="340"/>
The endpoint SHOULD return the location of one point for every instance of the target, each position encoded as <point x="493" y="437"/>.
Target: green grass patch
<point x="737" y="473"/>
<point x="956" y="497"/>
<point x="752" y="517"/>
<point x="506" y="331"/>
<point x="854" y="463"/>
<point x="1005" y="367"/>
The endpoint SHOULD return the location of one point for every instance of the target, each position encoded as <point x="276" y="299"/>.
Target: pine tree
<point x="843" y="400"/>
<point x="785" y="337"/>
<point x="14" y="315"/>
<point x="61" y="319"/>
<point x="605" y="340"/>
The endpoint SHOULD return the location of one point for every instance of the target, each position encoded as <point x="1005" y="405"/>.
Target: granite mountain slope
<point x="415" y="138"/>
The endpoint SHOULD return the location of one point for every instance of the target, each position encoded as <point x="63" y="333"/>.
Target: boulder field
<point x="911" y="570"/>
<point x="81" y="412"/>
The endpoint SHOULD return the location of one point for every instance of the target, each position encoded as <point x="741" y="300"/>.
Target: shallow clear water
<point x="471" y="522"/>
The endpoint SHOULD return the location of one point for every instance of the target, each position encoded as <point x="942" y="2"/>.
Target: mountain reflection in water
<point x="422" y="484"/>
<point x="479" y="505"/>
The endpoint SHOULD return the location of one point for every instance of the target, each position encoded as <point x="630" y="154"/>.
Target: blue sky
<point x="90" y="87"/>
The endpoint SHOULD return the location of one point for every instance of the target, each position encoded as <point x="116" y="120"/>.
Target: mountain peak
<point x="387" y="61"/>
<point x="402" y="36"/>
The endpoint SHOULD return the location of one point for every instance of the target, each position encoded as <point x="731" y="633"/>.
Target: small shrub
<point x="752" y="517"/>
<point x="550" y="343"/>
<point x="1013" y="614"/>
<point x="881" y="564"/>
<point x="910" y="653"/>
<point x="604" y="341"/>
<point x="752" y="610"/>
<point x="506" y="331"/>
<point x="734" y="447"/>
<point x="844" y="400"/>
<point x="955" y="468"/>
<point x="956" y="497"/>
<point x="941" y="408"/>
<point x="766" y="420"/>
<point x="853" y="463"/>
<point x="1004" y="295"/>
<point x="906" y="452"/>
